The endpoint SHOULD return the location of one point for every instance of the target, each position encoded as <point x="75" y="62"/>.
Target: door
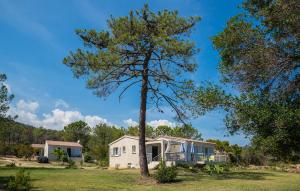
<point x="154" y="153"/>
<point x="69" y="152"/>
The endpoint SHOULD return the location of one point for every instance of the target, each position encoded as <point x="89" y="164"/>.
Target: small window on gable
<point x="133" y="149"/>
<point x="124" y="149"/>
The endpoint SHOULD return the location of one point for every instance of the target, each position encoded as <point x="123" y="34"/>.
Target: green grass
<point x="96" y="179"/>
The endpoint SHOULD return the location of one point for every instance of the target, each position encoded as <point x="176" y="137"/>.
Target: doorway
<point x="154" y="153"/>
<point x="69" y="152"/>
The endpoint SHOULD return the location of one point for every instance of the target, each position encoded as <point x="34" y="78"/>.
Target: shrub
<point x="87" y="157"/>
<point x="42" y="159"/>
<point x="165" y="174"/>
<point x="103" y="163"/>
<point x="252" y="156"/>
<point x="213" y="168"/>
<point x="65" y="158"/>
<point x="21" y="182"/>
<point x="71" y="164"/>
<point x="59" y="153"/>
<point x="24" y="151"/>
<point x="12" y="165"/>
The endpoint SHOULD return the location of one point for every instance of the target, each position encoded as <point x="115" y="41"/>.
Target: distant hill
<point x="12" y="132"/>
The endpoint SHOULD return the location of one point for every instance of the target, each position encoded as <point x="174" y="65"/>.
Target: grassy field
<point x="96" y="179"/>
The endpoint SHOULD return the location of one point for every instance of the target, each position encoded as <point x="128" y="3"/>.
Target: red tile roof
<point x="63" y="143"/>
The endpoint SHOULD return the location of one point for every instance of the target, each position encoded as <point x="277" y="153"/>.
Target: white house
<point x="124" y="152"/>
<point x="72" y="149"/>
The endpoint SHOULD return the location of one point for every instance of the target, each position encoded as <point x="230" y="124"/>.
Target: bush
<point x="24" y="151"/>
<point x="42" y="159"/>
<point x="12" y="165"/>
<point x="65" y="158"/>
<point x="71" y="164"/>
<point x="165" y="174"/>
<point x="60" y="154"/>
<point x="213" y="168"/>
<point x="103" y="163"/>
<point x="87" y="157"/>
<point x="21" y="182"/>
<point x="252" y="156"/>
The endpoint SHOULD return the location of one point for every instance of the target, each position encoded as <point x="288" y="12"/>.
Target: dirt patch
<point x="19" y="162"/>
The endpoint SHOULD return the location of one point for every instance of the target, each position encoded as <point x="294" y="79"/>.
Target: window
<point x="124" y="149"/>
<point x="133" y="149"/>
<point x="115" y="151"/>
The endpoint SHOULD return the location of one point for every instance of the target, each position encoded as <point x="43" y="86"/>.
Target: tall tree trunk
<point x="142" y="121"/>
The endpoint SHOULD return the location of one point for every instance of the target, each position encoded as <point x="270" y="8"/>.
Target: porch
<point x="181" y="151"/>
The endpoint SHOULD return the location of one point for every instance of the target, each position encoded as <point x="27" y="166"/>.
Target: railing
<point x="156" y="158"/>
<point x="200" y="157"/>
<point x="221" y="158"/>
<point x="195" y="157"/>
<point x="150" y="158"/>
<point x="175" y="156"/>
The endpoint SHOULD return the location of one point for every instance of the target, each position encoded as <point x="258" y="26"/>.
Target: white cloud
<point x="155" y="123"/>
<point x="95" y="120"/>
<point x="130" y="123"/>
<point x="56" y="119"/>
<point x="161" y="122"/>
<point x="61" y="103"/>
<point x="30" y="106"/>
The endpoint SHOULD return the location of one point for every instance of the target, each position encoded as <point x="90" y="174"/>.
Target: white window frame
<point x="133" y="150"/>
<point x="124" y="149"/>
<point x="115" y="151"/>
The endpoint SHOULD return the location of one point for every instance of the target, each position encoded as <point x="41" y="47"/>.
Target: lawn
<point x="96" y="179"/>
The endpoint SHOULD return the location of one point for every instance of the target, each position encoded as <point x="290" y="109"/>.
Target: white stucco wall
<point x="75" y="151"/>
<point x="124" y="158"/>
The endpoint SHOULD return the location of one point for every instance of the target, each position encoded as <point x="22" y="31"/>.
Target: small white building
<point x="124" y="152"/>
<point x="72" y="149"/>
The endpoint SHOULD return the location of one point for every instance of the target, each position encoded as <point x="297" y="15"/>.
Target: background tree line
<point x="14" y="136"/>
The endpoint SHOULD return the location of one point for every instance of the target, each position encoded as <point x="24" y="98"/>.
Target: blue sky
<point x="36" y="35"/>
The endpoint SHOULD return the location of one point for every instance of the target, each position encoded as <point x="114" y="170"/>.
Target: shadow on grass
<point x="225" y="176"/>
<point x="244" y="175"/>
<point x="4" y="180"/>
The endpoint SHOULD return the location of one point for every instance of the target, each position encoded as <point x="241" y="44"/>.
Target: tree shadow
<point x="243" y="175"/>
<point x="246" y="175"/>
<point x="189" y="176"/>
<point x="4" y="180"/>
